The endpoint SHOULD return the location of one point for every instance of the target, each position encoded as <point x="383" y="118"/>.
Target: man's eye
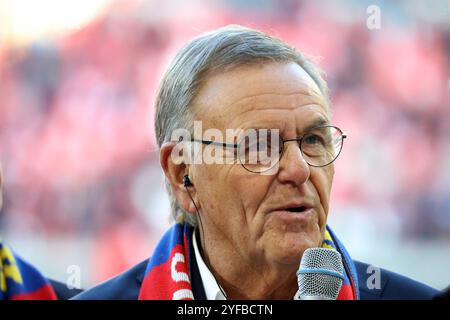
<point x="263" y="144"/>
<point x="255" y="145"/>
<point x="313" y="139"/>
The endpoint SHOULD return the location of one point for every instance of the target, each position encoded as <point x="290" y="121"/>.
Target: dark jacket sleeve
<point x="125" y="286"/>
<point x="392" y="286"/>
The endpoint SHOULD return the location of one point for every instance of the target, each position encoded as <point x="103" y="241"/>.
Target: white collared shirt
<point x="212" y="290"/>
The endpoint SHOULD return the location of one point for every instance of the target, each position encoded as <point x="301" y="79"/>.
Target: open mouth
<point x="297" y="209"/>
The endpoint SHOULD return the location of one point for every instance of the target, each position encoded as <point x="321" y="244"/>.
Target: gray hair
<point x="219" y="50"/>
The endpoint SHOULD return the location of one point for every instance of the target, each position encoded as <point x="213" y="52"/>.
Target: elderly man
<point x="247" y="146"/>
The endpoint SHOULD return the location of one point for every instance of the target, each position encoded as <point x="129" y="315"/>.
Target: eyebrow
<point x="316" y="123"/>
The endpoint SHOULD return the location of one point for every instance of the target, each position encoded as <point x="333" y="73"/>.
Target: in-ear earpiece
<point x="187" y="182"/>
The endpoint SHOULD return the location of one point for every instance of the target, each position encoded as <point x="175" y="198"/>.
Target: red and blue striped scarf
<point x="21" y="281"/>
<point x="168" y="276"/>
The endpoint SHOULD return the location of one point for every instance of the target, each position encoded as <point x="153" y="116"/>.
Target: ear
<point x="173" y="162"/>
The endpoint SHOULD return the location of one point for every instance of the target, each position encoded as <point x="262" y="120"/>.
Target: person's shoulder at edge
<point x="390" y="285"/>
<point x="124" y="286"/>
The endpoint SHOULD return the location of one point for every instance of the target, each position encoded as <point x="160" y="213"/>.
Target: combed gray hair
<point x="219" y="50"/>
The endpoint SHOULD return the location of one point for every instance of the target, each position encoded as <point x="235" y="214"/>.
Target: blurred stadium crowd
<point x="76" y="130"/>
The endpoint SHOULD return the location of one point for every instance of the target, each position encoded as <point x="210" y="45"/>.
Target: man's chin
<point x="292" y="254"/>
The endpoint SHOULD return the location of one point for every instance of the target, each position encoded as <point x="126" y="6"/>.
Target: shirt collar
<point x="212" y="290"/>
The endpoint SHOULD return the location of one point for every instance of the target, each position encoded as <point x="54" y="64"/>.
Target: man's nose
<point x="293" y="166"/>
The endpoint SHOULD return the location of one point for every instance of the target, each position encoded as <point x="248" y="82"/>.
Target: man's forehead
<point x="268" y="86"/>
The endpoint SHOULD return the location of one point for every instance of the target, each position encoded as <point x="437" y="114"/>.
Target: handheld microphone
<point x="320" y="275"/>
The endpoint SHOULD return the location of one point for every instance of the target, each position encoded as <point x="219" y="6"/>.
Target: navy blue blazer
<point x="393" y="286"/>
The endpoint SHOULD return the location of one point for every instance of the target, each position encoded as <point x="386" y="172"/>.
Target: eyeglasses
<point x="261" y="150"/>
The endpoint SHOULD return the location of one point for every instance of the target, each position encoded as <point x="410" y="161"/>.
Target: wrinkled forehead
<point x="255" y="90"/>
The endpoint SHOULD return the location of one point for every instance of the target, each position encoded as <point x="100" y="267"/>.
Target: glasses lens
<point x="322" y="145"/>
<point x="259" y="149"/>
